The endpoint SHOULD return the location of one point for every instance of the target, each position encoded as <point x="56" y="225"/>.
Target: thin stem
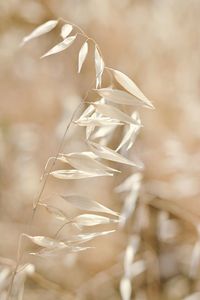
<point x="19" y="257"/>
<point x="59" y="230"/>
<point x="47" y="163"/>
<point x="54" y="161"/>
<point x="59" y="150"/>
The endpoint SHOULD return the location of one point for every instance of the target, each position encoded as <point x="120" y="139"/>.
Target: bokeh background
<point x="155" y="42"/>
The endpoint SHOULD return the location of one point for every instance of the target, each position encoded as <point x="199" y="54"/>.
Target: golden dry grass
<point x="156" y="44"/>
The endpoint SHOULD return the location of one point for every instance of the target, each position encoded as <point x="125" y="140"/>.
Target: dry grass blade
<point x="27" y="268"/>
<point x="82" y="238"/>
<point x="89" y="130"/>
<point x="66" y="30"/>
<point x="115" y="113"/>
<point x="195" y="260"/>
<point x="128" y="258"/>
<point x="61" y="46"/>
<point x="129" y="137"/>
<point x="87" y="112"/>
<point x="130" y="183"/>
<point x="82" y="56"/>
<point x="120" y="97"/>
<point x="5" y="273"/>
<point x="130" y="134"/>
<point x="129" y="206"/>
<point x="40" y="30"/>
<point x="98" y="121"/>
<point x="125" y="288"/>
<point x="46" y="252"/>
<point x="46" y="242"/>
<point x="130" y="253"/>
<point x="86" y="161"/>
<point x="92" y="220"/>
<point x="57" y="213"/>
<point x="54" y="252"/>
<point x="79" y="249"/>
<point x="131" y="87"/>
<point x="87" y="204"/>
<point x="109" y="154"/>
<point x="18" y="286"/>
<point x="77" y="174"/>
<point x="137" y="268"/>
<point x="103" y="132"/>
<point x="99" y="67"/>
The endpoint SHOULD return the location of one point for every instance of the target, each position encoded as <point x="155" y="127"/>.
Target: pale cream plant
<point x="100" y="119"/>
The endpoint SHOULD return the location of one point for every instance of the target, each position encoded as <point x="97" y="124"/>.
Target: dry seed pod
<point x="87" y="204"/>
<point x="66" y="30"/>
<point x="120" y="97"/>
<point x="109" y="154"/>
<point x="77" y="174"/>
<point x="82" y="56"/>
<point x="86" y="161"/>
<point x="40" y="30"/>
<point x="61" y="46"/>
<point x="99" y="67"/>
<point x="92" y="220"/>
<point x="115" y="113"/>
<point x="131" y="87"/>
<point x="46" y="242"/>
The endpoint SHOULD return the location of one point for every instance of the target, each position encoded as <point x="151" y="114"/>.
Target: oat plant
<point x="114" y="106"/>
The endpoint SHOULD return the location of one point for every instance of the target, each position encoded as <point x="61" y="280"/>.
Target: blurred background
<point x="156" y="43"/>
